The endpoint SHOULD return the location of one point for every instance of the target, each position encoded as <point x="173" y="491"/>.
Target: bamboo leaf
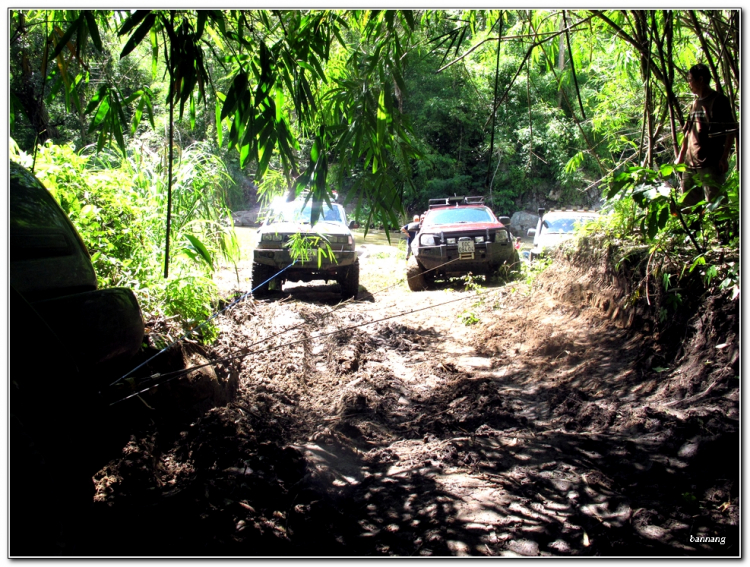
<point x="101" y="114"/>
<point x="192" y="111"/>
<point x="75" y="24"/>
<point x="382" y="118"/>
<point x="219" y="129"/>
<point x="409" y="17"/>
<point x="154" y="52"/>
<point x="200" y="249"/>
<point x="244" y="153"/>
<point x="575" y="162"/>
<point x="93" y="30"/>
<point x="235" y="93"/>
<point x="137" y="116"/>
<point x="97" y="98"/>
<point x="139" y="34"/>
<point x="135" y="19"/>
<point x="202" y="15"/>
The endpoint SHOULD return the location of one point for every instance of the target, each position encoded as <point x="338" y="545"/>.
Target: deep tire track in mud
<point x="544" y="429"/>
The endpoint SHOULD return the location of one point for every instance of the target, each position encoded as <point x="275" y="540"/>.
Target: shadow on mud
<point x="324" y="294"/>
<point x="537" y="455"/>
<point x="511" y="464"/>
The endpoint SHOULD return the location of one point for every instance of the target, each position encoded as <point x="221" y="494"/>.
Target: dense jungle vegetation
<point x="133" y="118"/>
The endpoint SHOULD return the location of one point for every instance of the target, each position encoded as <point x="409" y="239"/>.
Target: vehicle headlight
<point x="339" y="239"/>
<point x="427" y="240"/>
<point x="450" y="240"/>
<point x="271" y="237"/>
<point x="479" y="239"/>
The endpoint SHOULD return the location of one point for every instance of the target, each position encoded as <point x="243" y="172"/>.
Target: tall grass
<point x="119" y="207"/>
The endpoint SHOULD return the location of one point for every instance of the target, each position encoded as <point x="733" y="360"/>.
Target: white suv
<point x="554" y="227"/>
<point x="272" y="254"/>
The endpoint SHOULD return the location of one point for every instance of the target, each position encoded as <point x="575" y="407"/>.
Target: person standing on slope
<point x="708" y="135"/>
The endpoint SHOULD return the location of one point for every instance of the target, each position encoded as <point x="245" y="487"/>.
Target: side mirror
<point x="541" y="211"/>
<point x="353" y="224"/>
<point x="504" y="220"/>
<point x="531" y="232"/>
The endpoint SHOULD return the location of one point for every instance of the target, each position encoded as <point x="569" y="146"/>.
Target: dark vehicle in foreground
<point x="459" y="235"/>
<point x="51" y="273"/>
<point x="272" y="253"/>
<point x="67" y="341"/>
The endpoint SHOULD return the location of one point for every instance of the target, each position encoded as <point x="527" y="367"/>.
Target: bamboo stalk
<point x="706" y="50"/>
<point x="573" y="66"/>
<point x="171" y="159"/>
<point x="494" y="105"/>
<point x="570" y="107"/>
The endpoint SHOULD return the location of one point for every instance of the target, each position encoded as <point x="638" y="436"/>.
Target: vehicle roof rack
<point x="455" y="201"/>
<point x="571" y="210"/>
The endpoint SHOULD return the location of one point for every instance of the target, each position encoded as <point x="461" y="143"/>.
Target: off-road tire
<point x="350" y="282"/>
<point x="415" y="275"/>
<point x="261" y="273"/>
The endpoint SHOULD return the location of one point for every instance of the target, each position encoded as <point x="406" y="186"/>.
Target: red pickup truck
<point x="459" y="235"/>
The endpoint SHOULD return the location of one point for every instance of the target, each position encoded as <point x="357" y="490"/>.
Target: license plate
<point x="465" y="246"/>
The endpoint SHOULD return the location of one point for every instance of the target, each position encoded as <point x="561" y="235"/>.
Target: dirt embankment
<point x="555" y="424"/>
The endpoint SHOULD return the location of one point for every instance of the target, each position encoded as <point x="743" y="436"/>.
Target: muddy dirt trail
<point x="512" y="420"/>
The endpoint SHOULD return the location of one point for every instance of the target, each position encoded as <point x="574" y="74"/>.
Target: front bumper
<point x="487" y="257"/>
<point x="280" y="259"/>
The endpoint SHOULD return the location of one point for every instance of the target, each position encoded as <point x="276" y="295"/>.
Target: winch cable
<point x="337" y="307"/>
<point x="183" y="372"/>
<point x="282" y="332"/>
<point x="191" y="331"/>
<point x="330" y="312"/>
<point x="399" y="282"/>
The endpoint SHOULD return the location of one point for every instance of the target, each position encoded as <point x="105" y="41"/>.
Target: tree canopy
<point x="391" y="106"/>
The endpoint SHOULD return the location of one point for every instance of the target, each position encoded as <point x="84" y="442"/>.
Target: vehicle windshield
<point x="458" y="215"/>
<point x="564" y="224"/>
<point x="295" y="212"/>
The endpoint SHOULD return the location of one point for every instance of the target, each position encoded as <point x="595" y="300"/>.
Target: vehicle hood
<point x="549" y="240"/>
<point x="461" y="226"/>
<point x="322" y="227"/>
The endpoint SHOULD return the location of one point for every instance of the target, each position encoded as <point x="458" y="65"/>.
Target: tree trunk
<point x="561" y="64"/>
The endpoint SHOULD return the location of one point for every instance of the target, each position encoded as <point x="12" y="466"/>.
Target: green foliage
<point x="302" y="246"/>
<point x="471" y="283"/>
<point x="529" y="271"/>
<point x="193" y="297"/>
<point x="468" y="318"/>
<point x="651" y="193"/>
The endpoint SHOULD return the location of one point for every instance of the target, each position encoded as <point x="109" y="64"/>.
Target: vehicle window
<point x="565" y="224"/>
<point x="458" y="215"/>
<point x="295" y="212"/>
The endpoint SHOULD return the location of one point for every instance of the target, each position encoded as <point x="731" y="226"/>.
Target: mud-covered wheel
<point x="415" y="275"/>
<point x="261" y="273"/>
<point x="350" y="282"/>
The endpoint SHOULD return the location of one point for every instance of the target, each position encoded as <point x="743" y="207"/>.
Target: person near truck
<point x="410" y="230"/>
<point x="708" y="136"/>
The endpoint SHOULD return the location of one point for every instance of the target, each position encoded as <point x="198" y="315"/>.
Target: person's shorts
<point x="701" y="184"/>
